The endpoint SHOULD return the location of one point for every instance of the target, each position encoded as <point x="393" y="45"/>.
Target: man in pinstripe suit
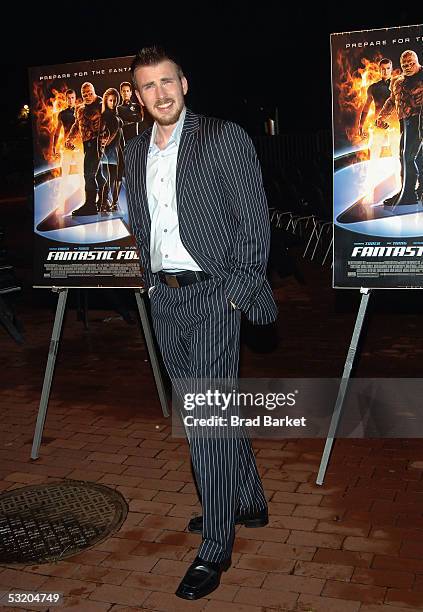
<point x="199" y="214"/>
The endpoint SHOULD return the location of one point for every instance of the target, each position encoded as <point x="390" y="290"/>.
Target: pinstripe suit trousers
<point x="198" y="334"/>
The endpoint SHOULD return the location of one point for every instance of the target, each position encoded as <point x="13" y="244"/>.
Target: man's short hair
<point x="69" y="92"/>
<point x="151" y="56"/>
<point x="125" y="84"/>
<point x="385" y="60"/>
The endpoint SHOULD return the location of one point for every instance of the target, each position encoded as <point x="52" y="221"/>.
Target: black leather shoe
<point x="202" y="578"/>
<point x="252" y="519"/>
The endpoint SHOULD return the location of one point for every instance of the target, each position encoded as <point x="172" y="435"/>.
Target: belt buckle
<point x="172" y="281"/>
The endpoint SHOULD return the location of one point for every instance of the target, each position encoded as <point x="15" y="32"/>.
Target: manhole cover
<point x="44" y="523"/>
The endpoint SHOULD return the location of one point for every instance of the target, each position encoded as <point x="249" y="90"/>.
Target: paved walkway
<point x="352" y="545"/>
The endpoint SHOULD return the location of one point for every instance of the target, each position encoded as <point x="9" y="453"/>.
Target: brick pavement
<point x="352" y="545"/>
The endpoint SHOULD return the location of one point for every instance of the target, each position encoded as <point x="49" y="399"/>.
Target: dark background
<point x="242" y="61"/>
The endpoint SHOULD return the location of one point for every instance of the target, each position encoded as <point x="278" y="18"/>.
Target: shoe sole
<point x="250" y="524"/>
<point x="192" y="597"/>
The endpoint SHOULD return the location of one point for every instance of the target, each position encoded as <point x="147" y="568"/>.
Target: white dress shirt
<point x="166" y="249"/>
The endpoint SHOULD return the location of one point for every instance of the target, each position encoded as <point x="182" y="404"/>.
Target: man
<point x="65" y="119"/>
<point x="87" y="124"/>
<point x="377" y="93"/>
<point x="198" y="211"/>
<point x="132" y="115"/>
<point x="407" y="99"/>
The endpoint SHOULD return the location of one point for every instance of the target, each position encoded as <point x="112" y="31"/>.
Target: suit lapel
<point x="186" y="147"/>
<point x="146" y="221"/>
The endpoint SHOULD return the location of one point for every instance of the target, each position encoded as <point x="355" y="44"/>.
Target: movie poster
<point x="377" y="86"/>
<point x="82" y="115"/>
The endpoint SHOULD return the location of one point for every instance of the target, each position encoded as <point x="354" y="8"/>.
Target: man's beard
<point x="167" y="119"/>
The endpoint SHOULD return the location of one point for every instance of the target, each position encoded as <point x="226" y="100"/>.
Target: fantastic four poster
<point x="377" y="87"/>
<point x="83" y="114"/>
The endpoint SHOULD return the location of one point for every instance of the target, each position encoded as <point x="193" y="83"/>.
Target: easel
<point x="51" y="361"/>
<point x="346" y="374"/>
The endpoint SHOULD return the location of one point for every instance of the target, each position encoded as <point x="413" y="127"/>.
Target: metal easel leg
<point x="48" y="376"/>
<point x="343" y="386"/>
<point x="145" y="323"/>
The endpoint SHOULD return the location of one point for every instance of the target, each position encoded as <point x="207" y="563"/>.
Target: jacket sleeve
<point x="244" y="191"/>
<point x="133" y="194"/>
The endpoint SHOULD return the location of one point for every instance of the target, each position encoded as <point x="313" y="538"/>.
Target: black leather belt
<point x="181" y="279"/>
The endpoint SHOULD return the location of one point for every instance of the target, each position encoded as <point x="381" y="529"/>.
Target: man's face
<point x="409" y="63"/>
<point x="385" y="71"/>
<point x="71" y="99"/>
<point x="110" y="101"/>
<point x="88" y="94"/>
<point x="161" y="90"/>
<point x="126" y="93"/>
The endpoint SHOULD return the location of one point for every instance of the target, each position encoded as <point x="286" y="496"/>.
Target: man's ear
<point x="184" y="85"/>
<point x="137" y="93"/>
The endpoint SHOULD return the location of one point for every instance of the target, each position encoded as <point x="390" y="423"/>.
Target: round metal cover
<point x="48" y="522"/>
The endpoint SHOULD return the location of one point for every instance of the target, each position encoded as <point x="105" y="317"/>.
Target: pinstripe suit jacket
<point x="222" y="209"/>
